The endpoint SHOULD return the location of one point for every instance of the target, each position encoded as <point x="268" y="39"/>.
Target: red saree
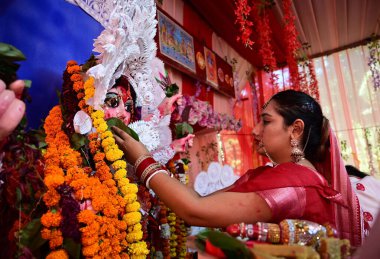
<point x="293" y="191"/>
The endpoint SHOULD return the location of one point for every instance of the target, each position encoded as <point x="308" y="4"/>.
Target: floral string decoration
<point x="194" y="111"/>
<point x="242" y="12"/>
<point x="292" y="44"/>
<point x="264" y="32"/>
<point x="106" y="199"/>
<point x="374" y="63"/>
<point x="307" y="78"/>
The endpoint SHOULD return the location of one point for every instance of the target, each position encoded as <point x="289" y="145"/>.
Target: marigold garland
<point x="103" y="234"/>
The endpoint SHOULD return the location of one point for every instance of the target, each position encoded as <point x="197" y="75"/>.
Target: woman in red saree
<point x="308" y="180"/>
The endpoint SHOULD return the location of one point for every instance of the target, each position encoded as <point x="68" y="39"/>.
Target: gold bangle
<point x="140" y="159"/>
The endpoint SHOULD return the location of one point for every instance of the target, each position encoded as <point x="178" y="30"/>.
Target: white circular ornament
<point x="82" y="123"/>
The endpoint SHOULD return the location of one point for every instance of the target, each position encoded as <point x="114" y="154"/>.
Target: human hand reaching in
<point x="11" y="108"/>
<point x="132" y="148"/>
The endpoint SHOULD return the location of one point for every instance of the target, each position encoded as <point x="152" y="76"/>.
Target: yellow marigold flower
<point x="135" y="228"/>
<point x="135" y="206"/>
<point x="120" y="174"/>
<point x="130" y="197"/>
<point x="58" y="254"/>
<point x="119" y="164"/>
<point x="132" y="218"/>
<point x="108" y="142"/>
<point x="134" y="236"/>
<point x="97" y="114"/>
<point x="114" y="155"/>
<point x="102" y="127"/>
<point x="122" y="182"/>
<point x="97" y="122"/>
<point x="107" y="134"/>
<point x="130" y="188"/>
<point x="139" y="248"/>
<point x="89" y="92"/>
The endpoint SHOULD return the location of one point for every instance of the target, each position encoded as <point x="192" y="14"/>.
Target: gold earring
<point x="297" y="154"/>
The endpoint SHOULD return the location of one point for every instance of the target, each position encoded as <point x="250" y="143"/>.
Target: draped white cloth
<point x="349" y="100"/>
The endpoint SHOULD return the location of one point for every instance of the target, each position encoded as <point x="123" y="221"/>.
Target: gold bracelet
<point x="148" y="170"/>
<point x="140" y="159"/>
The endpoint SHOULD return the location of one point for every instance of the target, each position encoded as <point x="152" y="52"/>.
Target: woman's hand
<point x="132" y="149"/>
<point x="11" y="109"/>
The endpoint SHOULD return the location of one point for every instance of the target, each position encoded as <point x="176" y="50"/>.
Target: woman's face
<point x="272" y="134"/>
<point x="118" y="104"/>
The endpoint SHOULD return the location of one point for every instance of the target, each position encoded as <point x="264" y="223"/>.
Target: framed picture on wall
<point x="211" y="71"/>
<point x="175" y="43"/>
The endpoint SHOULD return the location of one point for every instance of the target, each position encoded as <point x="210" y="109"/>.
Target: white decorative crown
<point x="126" y="46"/>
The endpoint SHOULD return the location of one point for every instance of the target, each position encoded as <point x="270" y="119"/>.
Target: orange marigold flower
<point x="58" y="254"/>
<point x="78" y="87"/>
<point x="53" y="181"/>
<point x="91" y="250"/>
<point x="99" y="157"/>
<point x="73" y="69"/>
<point x="82" y="104"/>
<point x="76" y="77"/>
<point x="71" y="63"/>
<point x="86" y="241"/>
<point x="53" y="170"/>
<point x="56" y="241"/>
<point x="46" y="233"/>
<point x="51" y="197"/>
<point x="86" y="216"/>
<point x="80" y="95"/>
<point x="93" y="136"/>
<point x="50" y="219"/>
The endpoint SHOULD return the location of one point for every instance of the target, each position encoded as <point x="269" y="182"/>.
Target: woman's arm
<point x="216" y="210"/>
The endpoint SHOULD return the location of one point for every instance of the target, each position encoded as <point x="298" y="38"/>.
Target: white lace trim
<point x="163" y="155"/>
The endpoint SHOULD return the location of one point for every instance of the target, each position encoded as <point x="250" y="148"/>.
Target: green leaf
<point x="118" y="123"/>
<point x="28" y="83"/>
<point x="78" y="140"/>
<point x="30" y="235"/>
<point x="18" y="196"/>
<point x="186" y="161"/>
<point x="183" y="129"/>
<point x="230" y="246"/>
<point x="73" y="248"/>
<point x="10" y="52"/>
<point x="171" y="90"/>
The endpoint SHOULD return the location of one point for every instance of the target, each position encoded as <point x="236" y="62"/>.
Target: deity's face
<point x="119" y="104"/>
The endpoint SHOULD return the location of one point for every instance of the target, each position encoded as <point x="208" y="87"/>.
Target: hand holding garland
<point x="216" y="210"/>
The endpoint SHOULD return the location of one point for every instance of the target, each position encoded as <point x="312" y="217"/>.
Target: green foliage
<point x="30" y="235"/>
<point x="118" y="123"/>
<point x="230" y="246"/>
<point x="8" y="68"/>
<point x="183" y="129"/>
<point x="72" y="247"/>
<point x="78" y="141"/>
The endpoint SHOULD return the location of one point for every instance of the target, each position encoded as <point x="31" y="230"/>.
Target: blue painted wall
<point x="49" y="33"/>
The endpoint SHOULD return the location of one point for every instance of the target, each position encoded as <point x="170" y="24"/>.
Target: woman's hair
<point x="292" y="105"/>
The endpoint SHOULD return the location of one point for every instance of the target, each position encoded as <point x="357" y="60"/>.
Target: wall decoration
<point x="175" y="43"/>
<point x="211" y="74"/>
<point x="201" y="60"/>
